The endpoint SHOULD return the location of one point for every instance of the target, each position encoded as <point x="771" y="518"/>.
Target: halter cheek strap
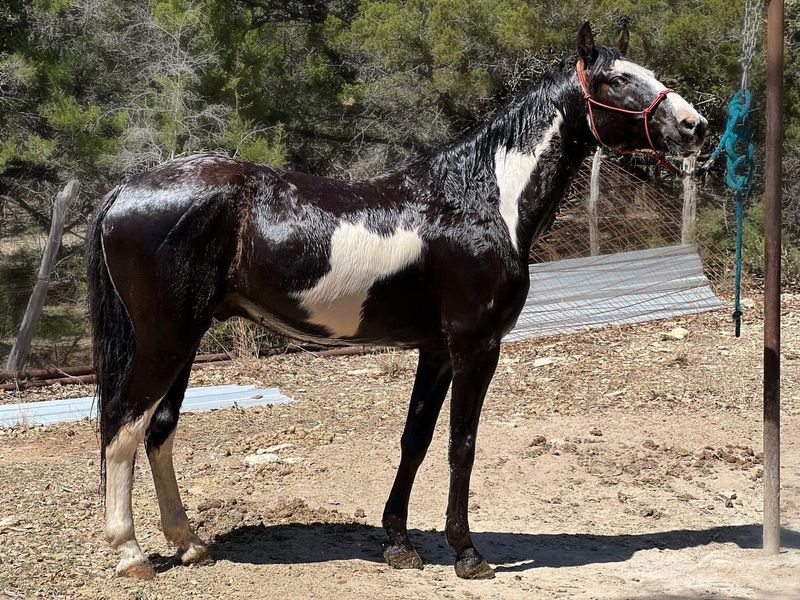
<point x="645" y="114"/>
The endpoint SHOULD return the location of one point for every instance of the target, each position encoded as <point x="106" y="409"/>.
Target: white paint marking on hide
<point x="119" y="483"/>
<point x="359" y="258"/>
<point x="681" y="109"/>
<point x="174" y="522"/>
<point x="638" y="71"/>
<point x="513" y="170"/>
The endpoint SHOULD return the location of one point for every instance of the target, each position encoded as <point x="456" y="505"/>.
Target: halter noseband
<point x="645" y="114"/>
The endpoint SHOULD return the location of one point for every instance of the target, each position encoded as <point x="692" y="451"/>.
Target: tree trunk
<point x="22" y="345"/>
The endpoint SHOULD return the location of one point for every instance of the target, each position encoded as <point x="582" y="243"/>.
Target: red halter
<point x="590" y="102"/>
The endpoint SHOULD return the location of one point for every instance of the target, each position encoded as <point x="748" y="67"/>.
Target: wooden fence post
<point x="591" y="209"/>
<point x="689" y="218"/>
<point x="22" y="345"/>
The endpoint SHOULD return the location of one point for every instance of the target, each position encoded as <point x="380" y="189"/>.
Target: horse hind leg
<point x="159" y="442"/>
<point x="127" y="422"/>
<point x="119" y="458"/>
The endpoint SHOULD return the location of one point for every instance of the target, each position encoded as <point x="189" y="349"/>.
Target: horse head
<point x="629" y="109"/>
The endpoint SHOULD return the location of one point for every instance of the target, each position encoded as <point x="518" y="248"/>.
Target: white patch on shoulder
<point x="513" y="170"/>
<point x="359" y="258"/>
<point x="681" y="108"/>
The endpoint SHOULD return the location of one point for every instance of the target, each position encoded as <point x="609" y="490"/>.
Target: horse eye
<point x="618" y="82"/>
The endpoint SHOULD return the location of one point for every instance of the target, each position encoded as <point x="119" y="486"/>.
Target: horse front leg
<point x="474" y="362"/>
<point x="434" y="373"/>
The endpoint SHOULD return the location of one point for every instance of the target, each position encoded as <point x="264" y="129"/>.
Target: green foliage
<point x="717" y="229"/>
<point x="257" y="145"/>
<point x="17" y="276"/>
<point x="792" y="73"/>
<point x="8" y="149"/>
<point x="38" y="149"/>
<point x="54" y="327"/>
<point x="101" y="89"/>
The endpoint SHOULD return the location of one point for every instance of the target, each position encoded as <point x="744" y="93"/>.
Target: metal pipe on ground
<point x="86" y="378"/>
<point x="78" y="370"/>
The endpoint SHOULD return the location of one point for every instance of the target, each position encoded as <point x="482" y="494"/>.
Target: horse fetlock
<point x="471" y="565"/>
<point x="402" y="557"/>
<point x="196" y="554"/>
<point x="181" y="535"/>
<point x="394" y="525"/>
<point x="192" y="549"/>
<point x="456" y="534"/>
<point x="117" y="534"/>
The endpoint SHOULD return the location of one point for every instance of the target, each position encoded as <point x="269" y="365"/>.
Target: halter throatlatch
<point x="645" y="114"/>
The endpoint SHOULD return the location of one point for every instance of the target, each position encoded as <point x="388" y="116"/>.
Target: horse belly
<point x="372" y="289"/>
<point x="392" y="313"/>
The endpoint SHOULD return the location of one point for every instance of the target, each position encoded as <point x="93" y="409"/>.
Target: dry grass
<point x="394" y="363"/>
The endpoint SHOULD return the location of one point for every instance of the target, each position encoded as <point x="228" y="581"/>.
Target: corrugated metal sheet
<point x="572" y="295"/>
<point x="200" y="399"/>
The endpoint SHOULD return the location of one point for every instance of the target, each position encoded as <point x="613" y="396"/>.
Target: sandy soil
<point x="623" y="465"/>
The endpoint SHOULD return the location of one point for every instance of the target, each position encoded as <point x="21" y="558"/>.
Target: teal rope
<point x="740" y="168"/>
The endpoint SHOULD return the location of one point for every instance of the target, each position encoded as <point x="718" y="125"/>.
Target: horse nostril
<point x="700" y="128"/>
<point x="689" y="125"/>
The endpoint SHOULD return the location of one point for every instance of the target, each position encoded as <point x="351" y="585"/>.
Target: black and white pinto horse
<point x="433" y="255"/>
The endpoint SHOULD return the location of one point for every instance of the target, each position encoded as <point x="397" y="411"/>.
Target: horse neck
<point x="522" y="161"/>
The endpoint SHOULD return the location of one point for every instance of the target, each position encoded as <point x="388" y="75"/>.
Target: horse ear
<point x="586" y="48"/>
<point x="624" y="40"/>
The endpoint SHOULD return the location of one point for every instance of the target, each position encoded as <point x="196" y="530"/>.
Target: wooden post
<point x="22" y="345"/>
<point x="591" y="209"/>
<point x="773" y="175"/>
<point x="689" y="217"/>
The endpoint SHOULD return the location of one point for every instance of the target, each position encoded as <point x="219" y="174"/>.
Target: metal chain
<point x="752" y="23"/>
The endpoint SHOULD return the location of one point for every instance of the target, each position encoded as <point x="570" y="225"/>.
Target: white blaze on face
<point x="513" y="170"/>
<point x="681" y="109"/>
<point x="359" y="258"/>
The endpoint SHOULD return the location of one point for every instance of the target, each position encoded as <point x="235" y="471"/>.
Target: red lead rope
<point x="646" y="113"/>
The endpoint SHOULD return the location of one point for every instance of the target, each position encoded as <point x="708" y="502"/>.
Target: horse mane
<point x="466" y="166"/>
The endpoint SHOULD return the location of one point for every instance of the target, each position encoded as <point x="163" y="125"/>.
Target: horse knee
<point x="462" y="452"/>
<point x="414" y="448"/>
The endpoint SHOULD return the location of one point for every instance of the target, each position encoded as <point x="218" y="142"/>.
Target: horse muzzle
<point x="692" y="131"/>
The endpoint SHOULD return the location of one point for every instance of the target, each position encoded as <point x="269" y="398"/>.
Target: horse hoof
<point x="402" y="558"/>
<point x="473" y="566"/>
<point x="197" y="555"/>
<point x="141" y="569"/>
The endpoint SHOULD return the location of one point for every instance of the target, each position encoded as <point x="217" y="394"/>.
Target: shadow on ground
<point x="296" y="543"/>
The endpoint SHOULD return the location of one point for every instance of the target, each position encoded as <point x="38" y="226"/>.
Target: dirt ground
<point x="613" y="464"/>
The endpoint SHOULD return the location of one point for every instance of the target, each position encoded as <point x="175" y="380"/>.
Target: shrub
<point x="716" y="229"/>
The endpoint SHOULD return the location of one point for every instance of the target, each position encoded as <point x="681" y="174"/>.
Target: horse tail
<point x="113" y="340"/>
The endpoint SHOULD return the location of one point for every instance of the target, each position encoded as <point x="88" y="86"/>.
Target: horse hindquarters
<point x="152" y="296"/>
